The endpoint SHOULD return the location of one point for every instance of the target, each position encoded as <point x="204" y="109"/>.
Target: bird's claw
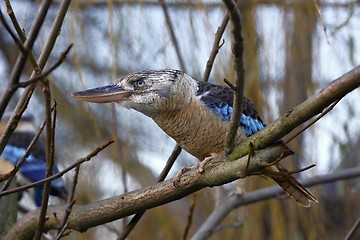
<point x="201" y="165"/>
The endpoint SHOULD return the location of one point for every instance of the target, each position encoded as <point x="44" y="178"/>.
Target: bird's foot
<point x="177" y="178"/>
<point x="201" y="165"/>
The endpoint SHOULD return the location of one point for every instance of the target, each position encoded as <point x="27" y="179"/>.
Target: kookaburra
<point x="34" y="167"/>
<point x="195" y="114"/>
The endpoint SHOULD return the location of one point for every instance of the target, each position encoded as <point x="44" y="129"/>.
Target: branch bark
<point x="314" y="105"/>
<point x="83" y="217"/>
<point x="238" y="200"/>
<point x="237" y="47"/>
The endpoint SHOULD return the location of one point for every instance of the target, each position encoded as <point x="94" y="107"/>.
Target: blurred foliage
<point x="287" y="58"/>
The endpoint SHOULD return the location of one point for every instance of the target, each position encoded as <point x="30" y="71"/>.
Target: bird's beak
<point x="106" y="94"/>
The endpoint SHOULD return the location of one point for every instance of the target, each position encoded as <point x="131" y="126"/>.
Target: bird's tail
<point x="291" y="186"/>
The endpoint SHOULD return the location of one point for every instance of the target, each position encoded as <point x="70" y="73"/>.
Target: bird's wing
<point x="23" y="139"/>
<point x="34" y="167"/>
<point x="219" y="99"/>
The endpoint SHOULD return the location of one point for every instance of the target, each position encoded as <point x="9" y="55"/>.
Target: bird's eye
<point x="139" y="83"/>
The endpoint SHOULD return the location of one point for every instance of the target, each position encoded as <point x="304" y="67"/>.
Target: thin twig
<point x="172" y="35"/>
<point x="22" y="57"/>
<point x="45" y="73"/>
<point x="25" y="98"/>
<point x="23" y="158"/>
<point x="353" y="230"/>
<point x="317" y="8"/>
<point x="12" y="34"/>
<point x="49" y="152"/>
<point x="170" y="162"/>
<point x="70" y="203"/>
<point x="237" y="50"/>
<point x="190" y="217"/>
<point x="60" y="173"/>
<point x="326" y="111"/>
<point x="16" y="116"/>
<point x="215" y="48"/>
<point x="232" y="86"/>
<point x="62" y="231"/>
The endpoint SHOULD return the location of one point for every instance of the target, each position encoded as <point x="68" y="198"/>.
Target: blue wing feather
<point x="34" y="169"/>
<point x="219" y="100"/>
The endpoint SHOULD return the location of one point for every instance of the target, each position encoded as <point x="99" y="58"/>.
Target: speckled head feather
<point x="148" y="92"/>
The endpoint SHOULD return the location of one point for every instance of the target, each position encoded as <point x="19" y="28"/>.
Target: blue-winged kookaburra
<point x="34" y="167"/>
<point x="195" y="114"/>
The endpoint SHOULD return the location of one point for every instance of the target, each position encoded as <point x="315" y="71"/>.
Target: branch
<point x="44" y="74"/>
<point x="215" y="48"/>
<point x="49" y="156"/>
<point x="172" y="35"/>
<point x="237" y="51"/>
<point x="12" y="34"/>
<point x="25" y="98"/>
<point x="314" y="105"/>
<point x="218" y="172"/>
<point x="83" y="217"/>
<point x="170" y="162"/>
<point x="353" y="230"/>
<point x="238" y="200"/>
<point x="70" y="203"/>
<point x="21" y="59"/>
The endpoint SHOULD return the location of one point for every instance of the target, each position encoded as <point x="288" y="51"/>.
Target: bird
<point x="195" y="114"/>
<point x="34" y="167"/>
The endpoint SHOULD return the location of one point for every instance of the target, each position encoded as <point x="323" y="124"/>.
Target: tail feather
<point x="292" y="187"/>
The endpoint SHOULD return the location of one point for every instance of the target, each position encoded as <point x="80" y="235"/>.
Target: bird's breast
<point x="196" y="129"/>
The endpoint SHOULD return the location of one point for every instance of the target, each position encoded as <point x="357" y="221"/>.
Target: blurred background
<point x="292" y="49"/>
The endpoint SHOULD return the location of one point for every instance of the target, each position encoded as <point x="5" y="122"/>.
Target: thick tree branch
<point x="170" y="162"/>
<point x="85" y="216"/>
<point x="238" y="200"/>
<point x="314" y="105"/>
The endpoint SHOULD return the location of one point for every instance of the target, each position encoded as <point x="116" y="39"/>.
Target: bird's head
<point x="148" y="91"/>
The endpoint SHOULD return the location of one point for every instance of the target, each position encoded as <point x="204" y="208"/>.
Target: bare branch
<point x="49" y="154"/>
<point x="353" y="230"/>
<point x="25" y="98"/>
<point x="326" y="111"/>
<point x="70" y="203"/>
<point x="190" y="216"/>
<point x="85" y="216"/>
<point x="45" y="73"/>
<point x="170" y="162"/>
<point x="237" y="50"/>
<point x="173" y="35"/>
<point x="238" y="200"/>
<point x="21" y="59"/>
<point x="12" y="34"/>
<point x="301" y="113"/>
<point x="215" y="48"/>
